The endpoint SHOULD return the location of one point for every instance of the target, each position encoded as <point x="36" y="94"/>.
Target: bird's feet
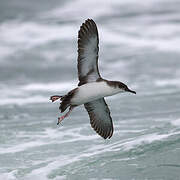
<point x="67" y="114"/>
<point x="54" y="98"/>
<point x="60" y="119"/>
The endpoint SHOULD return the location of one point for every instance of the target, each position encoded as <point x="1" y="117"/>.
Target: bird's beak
<point x="131" y="91"/>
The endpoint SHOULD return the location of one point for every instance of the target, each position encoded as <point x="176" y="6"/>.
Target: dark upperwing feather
<point x="88" y="48"/>
<point x="100" y="118"/>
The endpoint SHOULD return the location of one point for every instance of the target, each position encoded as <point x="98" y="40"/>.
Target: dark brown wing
<point x="88" y="48"/>
<point x="100" y="118"/>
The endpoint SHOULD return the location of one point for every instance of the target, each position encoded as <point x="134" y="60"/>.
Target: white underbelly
<point x="92" y="91"/>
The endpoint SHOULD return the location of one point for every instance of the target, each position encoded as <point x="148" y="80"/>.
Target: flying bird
<point x="92" y="88"/>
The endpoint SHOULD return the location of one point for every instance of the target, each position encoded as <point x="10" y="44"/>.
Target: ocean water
<point x="139" y="45"/>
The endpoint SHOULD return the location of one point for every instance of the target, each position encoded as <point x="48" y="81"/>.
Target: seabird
<point x="92" y="88"/>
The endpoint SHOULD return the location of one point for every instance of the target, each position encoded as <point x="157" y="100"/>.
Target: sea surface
<point x="139" y="45"/>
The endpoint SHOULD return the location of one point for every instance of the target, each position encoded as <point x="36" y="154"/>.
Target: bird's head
<point x="124" y="88"/>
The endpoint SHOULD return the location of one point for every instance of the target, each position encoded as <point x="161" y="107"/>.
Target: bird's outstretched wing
<point x="88" y="48"/>
<point x="100" y="118"/>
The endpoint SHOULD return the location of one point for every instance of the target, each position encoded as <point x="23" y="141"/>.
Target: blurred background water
<point x="139" y="45"/>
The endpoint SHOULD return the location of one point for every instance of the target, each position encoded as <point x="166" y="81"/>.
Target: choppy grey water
<point x="139" y="45"/>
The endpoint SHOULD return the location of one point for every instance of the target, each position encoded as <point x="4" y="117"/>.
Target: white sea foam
<point x="92" y="151"/>
<point x="146" y="139"/>
<point x="73" y="134"/>
<point x="94" y="9"/>
<point x="22" y="147"/>
<point x="18" y="36"/>
<point x="21" y="94"/>
<point x="162" y="44"/>
<point x="125" y="145"/>
<point x="130" y="143"/>
<point x="176" y="122"/>
<point x="47" y="137"/>
<point x="68" y="12"/>
<point x="167" y="82"/>
<point x="24" y="100"/>
<point x="50" y="86"/>
<point x="9" y="176"/>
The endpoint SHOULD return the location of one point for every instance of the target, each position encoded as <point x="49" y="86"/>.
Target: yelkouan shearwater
<point x="92" y="88"/>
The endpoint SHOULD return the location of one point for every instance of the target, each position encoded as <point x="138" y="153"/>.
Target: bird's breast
<point x="92" y="91"/>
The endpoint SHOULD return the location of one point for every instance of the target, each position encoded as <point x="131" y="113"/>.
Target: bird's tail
<point x="65" y="101"/>
<point x="64" y="104"/>
<point x="55" y="97"/>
